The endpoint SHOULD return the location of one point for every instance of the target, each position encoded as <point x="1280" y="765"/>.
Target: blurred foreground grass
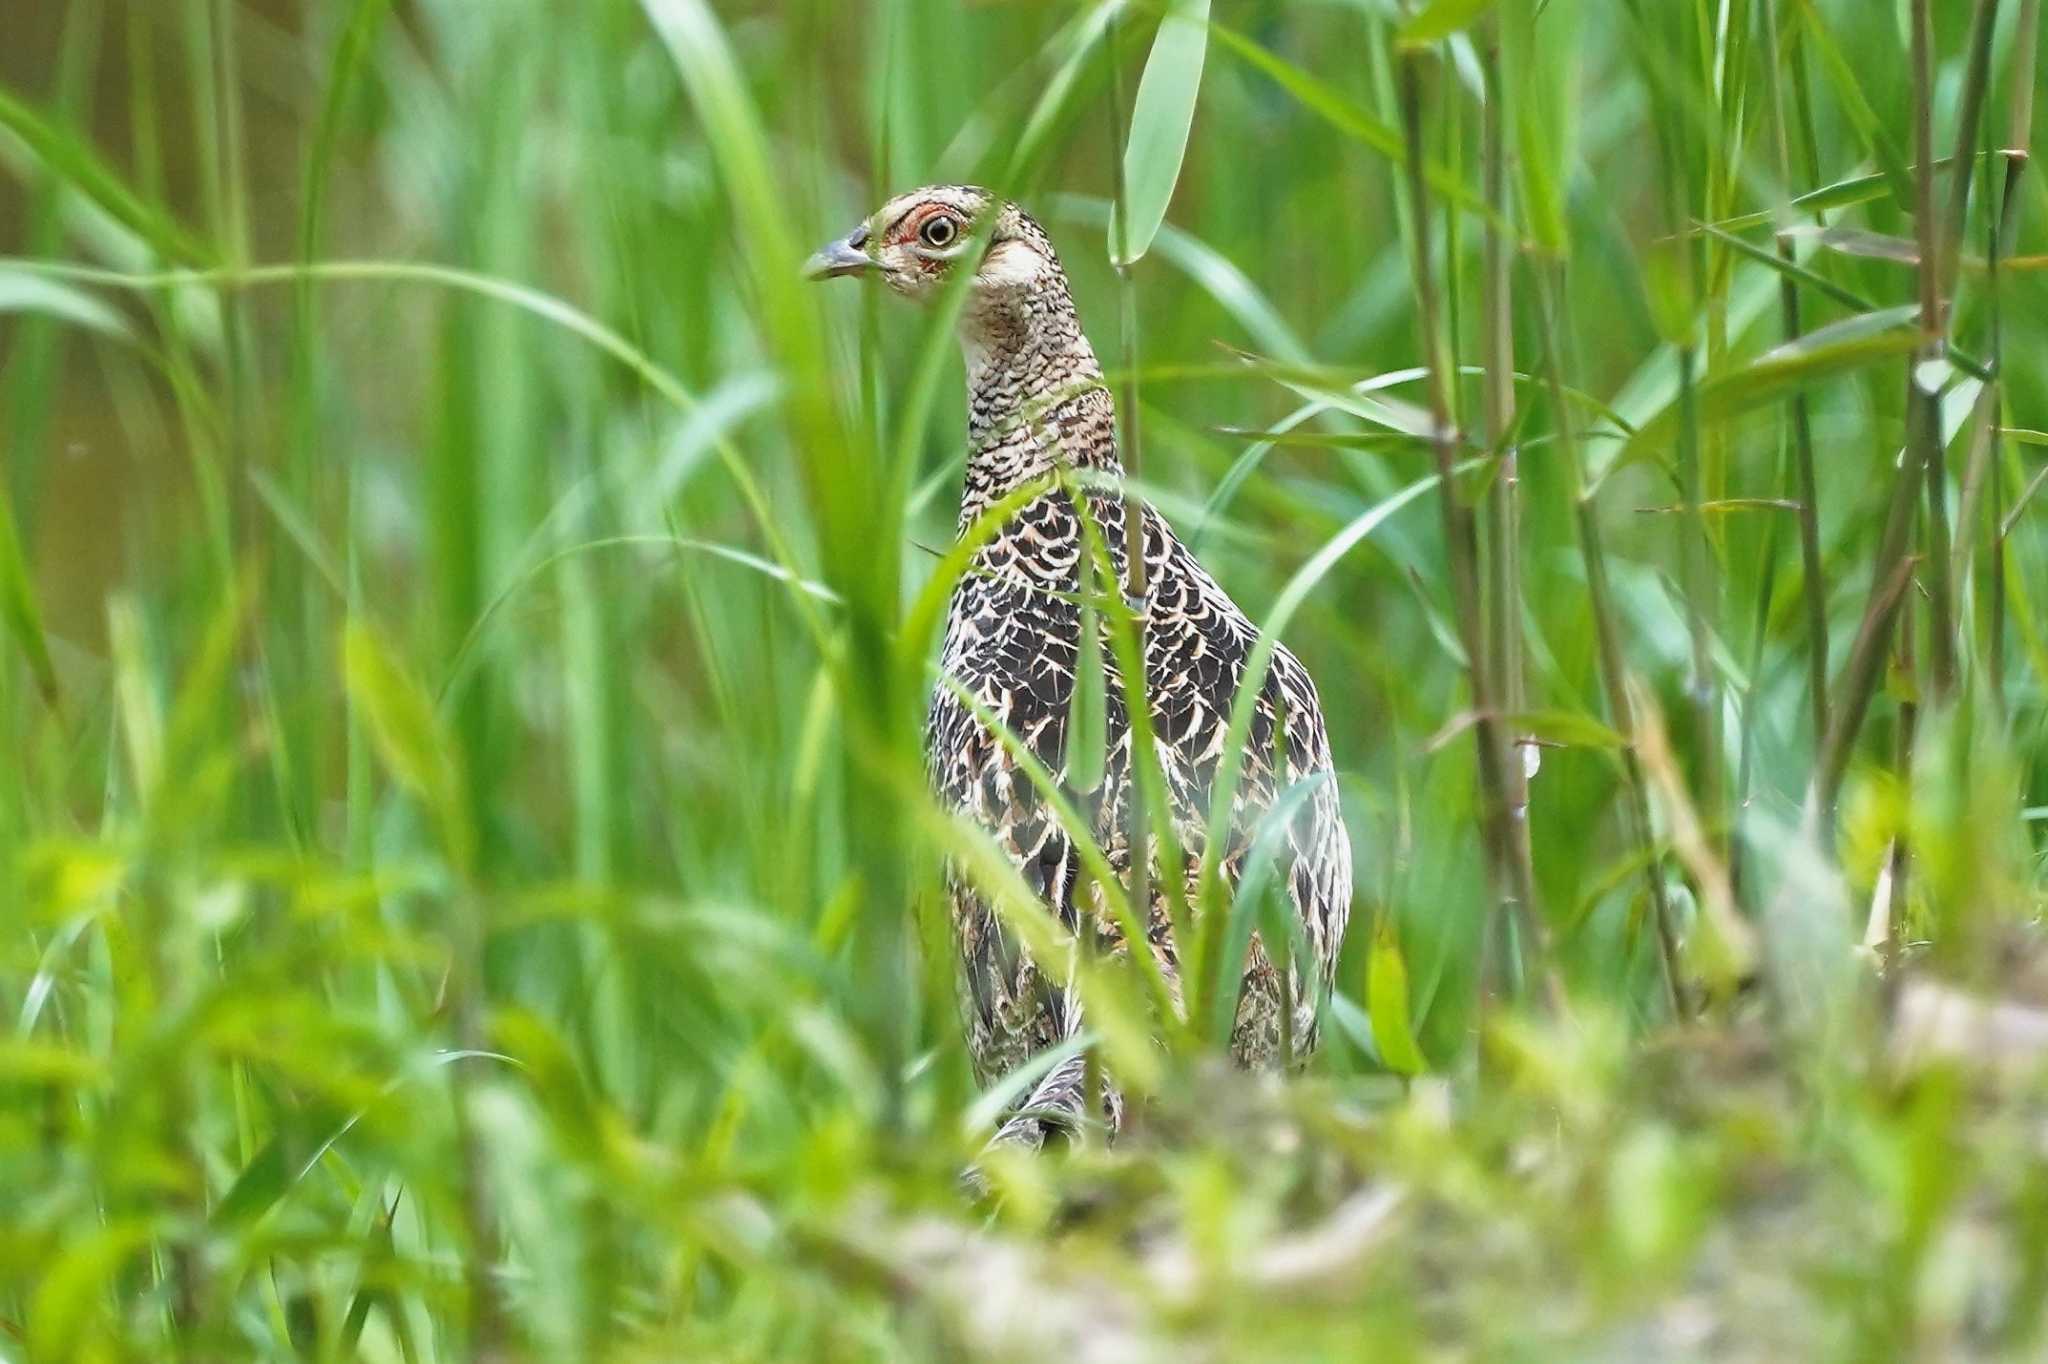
<point x="467" y="886"/>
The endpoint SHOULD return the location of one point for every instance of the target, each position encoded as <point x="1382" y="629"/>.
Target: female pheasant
<point x="1037" y="406"/>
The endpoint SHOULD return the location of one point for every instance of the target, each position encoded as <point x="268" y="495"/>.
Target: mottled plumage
<point x="1036" y="404"/>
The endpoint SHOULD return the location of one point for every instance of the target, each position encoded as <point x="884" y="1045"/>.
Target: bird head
<point x="916" y="241"/>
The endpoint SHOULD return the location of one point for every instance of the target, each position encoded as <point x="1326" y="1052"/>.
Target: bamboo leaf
<point x="1852" y="344"/>
<point x="1161" y="118"/>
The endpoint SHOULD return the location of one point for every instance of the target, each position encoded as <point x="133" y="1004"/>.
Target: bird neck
<point x="1035" y="395"/>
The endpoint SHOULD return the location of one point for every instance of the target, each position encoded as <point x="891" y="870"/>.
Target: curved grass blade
<point x="64" y="156"/>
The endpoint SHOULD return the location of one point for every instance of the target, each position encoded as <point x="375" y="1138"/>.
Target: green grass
<point x="466" y="887"/>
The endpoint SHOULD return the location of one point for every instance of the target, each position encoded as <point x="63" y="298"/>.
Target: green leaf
<point x="1771" y="260"/>
<point x="409" y="736"/>
<point x="1387" y="1003"/>
<point x="1841" y="73"/>
<point x="1084" y="39"/>
<point x="75" y="163"/>
<point x="1087" y="710"/>
<point x="262" y="1182"/>
<point x="1438" y="20"/>
<point x="24" y="1061"/>
<point x="1346" y="396"/>
<point x="1532" y="68"/>
<point x="1852" y="241"/>
<point x="1568" y="728"/>
<point x="1340" y="112"/>
<point x="1161" y="117"/>
<point x="351" y="55"/>
<point x="23" y="291"/>
<point x="1843" y="347"/>
<point x="1216" y="273"/>
<point x="78" y="1286"/>
<point x="18" y="608"/>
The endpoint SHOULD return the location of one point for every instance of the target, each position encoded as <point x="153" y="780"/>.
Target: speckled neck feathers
<point x="1035" y="396"/>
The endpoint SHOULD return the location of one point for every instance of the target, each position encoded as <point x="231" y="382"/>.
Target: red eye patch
<point x="912" y="223"/>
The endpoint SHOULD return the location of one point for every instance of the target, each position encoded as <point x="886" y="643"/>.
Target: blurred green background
<point x="469" y="891"/>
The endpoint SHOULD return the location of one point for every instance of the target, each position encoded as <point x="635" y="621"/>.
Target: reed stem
<point x="1515" y="880"/>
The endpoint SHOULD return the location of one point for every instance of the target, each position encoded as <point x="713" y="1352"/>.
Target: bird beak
<point x="843" y="257"/>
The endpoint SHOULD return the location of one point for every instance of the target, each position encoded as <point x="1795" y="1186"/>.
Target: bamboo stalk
<point x="1498" y="392"/>
<point x="1813" y="589"/>
<point x="1928" y="234"/>
<point x="1515" y="880"/>
<point x="1976" y="83"/>
<point x="2019" y="130"/>
<point x="1945" y="249"/>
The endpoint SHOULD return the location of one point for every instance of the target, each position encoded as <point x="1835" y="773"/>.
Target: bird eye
<point x="938" y="231"/>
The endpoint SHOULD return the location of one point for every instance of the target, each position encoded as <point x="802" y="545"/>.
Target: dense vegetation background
<point x="467" y="885"/>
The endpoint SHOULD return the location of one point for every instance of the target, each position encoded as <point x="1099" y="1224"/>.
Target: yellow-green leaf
<point x="1387" y="1003"/>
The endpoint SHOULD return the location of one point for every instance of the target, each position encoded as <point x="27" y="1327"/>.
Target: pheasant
<point x="1038" y="412"/>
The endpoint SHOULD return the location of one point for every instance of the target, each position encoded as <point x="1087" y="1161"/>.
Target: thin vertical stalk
<point x="1515" y="880"/>
<point x="1923" y="436"/>
<point x="1696" y="584"/>
<point x="1695" y="555"/>
<point x="1933" y="329"/>
<point x="1498" y="398"/>
<point x="2020" y="123"/>
<point x="1901" y="860"/>
<point x="1976" y="83"/>
<point x="1942" y="631"/>
<point x="1607" y="636"/>
<point x="1136" y="833"/>
<point x="1130" y="443"/>
<point x="1926" y="227"/>
<point x="1767" y="584"/>
<point x="1813" y="588"/>
<point x="2019" y="130"/>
